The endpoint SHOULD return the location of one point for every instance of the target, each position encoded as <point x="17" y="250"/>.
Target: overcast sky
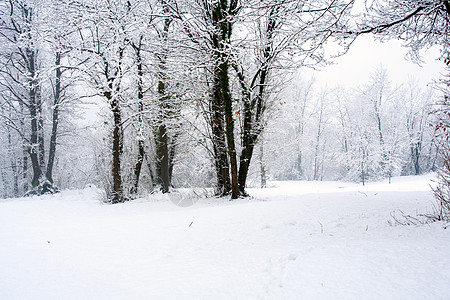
<point x="365" y="55"/>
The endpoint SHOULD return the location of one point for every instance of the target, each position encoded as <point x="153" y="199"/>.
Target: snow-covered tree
<point x="421" y="25"/>
<point x="252" y="43"/>
<point x="34" y="85"/>
<point x="102" y="31"/>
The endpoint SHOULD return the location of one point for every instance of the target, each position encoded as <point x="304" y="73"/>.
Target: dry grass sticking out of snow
<point x="298" y="240"/>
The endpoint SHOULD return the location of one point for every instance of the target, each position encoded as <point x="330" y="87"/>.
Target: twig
<point x="321" y="226"/>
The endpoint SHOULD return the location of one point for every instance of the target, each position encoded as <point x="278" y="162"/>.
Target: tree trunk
<point x="222" y="119"/>
<point x="172" y="153"/>
<point x="138" y="167"/>
<point x="251" y="130"/>
<point x="13" y="163"/>
<point x="111" y="94"/>
<point x="40" y="132"/>
<point x="140" y="97"/>
<point x="117" y="143"/>
<point x="5" y="186"/>
<point x="25" y="152"/>
<point x="317" y="146"/>
<point x="262" y="166"/>
<point x="25" y="182"/>
<point x="56" y="103"/>
<point x="34" y="106"/>
<point x="247" y="146"/>
<point x="254" y="108"/>
<point x="34" y="147"/>
<point x="162" y="151"/>
<point x="219" y="146"/>
<point x="162" y="138"/>
<point x="229" y="121"/>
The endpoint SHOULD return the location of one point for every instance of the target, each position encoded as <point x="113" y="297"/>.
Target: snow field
<point x="298" y="240"/>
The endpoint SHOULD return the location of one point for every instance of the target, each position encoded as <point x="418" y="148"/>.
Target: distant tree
<point x="382" y="98"/>
<point x="421" y="25"/>
<point x="302" y="101"/>
<point x="373" y="131"/>
<point x="442" y="127"/>
<point x="418" y="106"/>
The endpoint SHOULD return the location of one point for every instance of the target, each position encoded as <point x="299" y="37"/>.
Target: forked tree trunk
<point x="229" y="121"/>
<point x="254" y="108"/>
<point x="222" y="105"/>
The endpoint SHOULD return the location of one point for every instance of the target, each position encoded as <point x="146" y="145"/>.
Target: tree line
<point x="369" y="132"/>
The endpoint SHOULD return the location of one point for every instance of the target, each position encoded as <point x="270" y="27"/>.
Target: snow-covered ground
<point x="296" y="240"/>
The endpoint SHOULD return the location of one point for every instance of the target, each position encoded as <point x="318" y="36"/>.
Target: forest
<point x="206" y="94"/>
<point x="189" y="149"/>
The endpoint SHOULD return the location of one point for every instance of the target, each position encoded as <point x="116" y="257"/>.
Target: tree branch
<point x="380" y="28"/>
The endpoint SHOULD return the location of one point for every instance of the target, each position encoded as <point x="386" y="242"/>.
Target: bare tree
<point x="442" y="126"/>
<point x="102" y="35"/>
<point x="420" y="24"/>
<point x="279" y="35"/>
<point x="25" y="35"/>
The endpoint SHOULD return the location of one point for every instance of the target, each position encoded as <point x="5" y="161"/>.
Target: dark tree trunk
<point x="248" y="145"/>
<point x="220" y="152"/>
<point x="229" y="121"/>
<point x="36" y="146"/>
<point x="25" y="152"/>
<point x="112" y="95"/>
<point x="40" y="124"/>
<point x="219" y="146"/>
<point x="162" y="152"/>
<point x="252" y="128"/>
<point x="34" y="137"/>
<point x="254" y="108"/>
<point x="140" y="96"/>
<point x="162" y="138"/>
<point x="56" y="103"/>
<point x="162" y="141"/>
<point x="447" y="7"/>
<point x="117" y="143"/>
<point x="138" y="167"/>
<point x="25" y="182"/>
<point x="223" y="119"/>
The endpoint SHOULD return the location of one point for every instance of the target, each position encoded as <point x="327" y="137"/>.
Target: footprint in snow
<point x="292" y="256"/>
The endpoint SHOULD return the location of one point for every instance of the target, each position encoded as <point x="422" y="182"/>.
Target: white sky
<point x="366" y="55"/>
